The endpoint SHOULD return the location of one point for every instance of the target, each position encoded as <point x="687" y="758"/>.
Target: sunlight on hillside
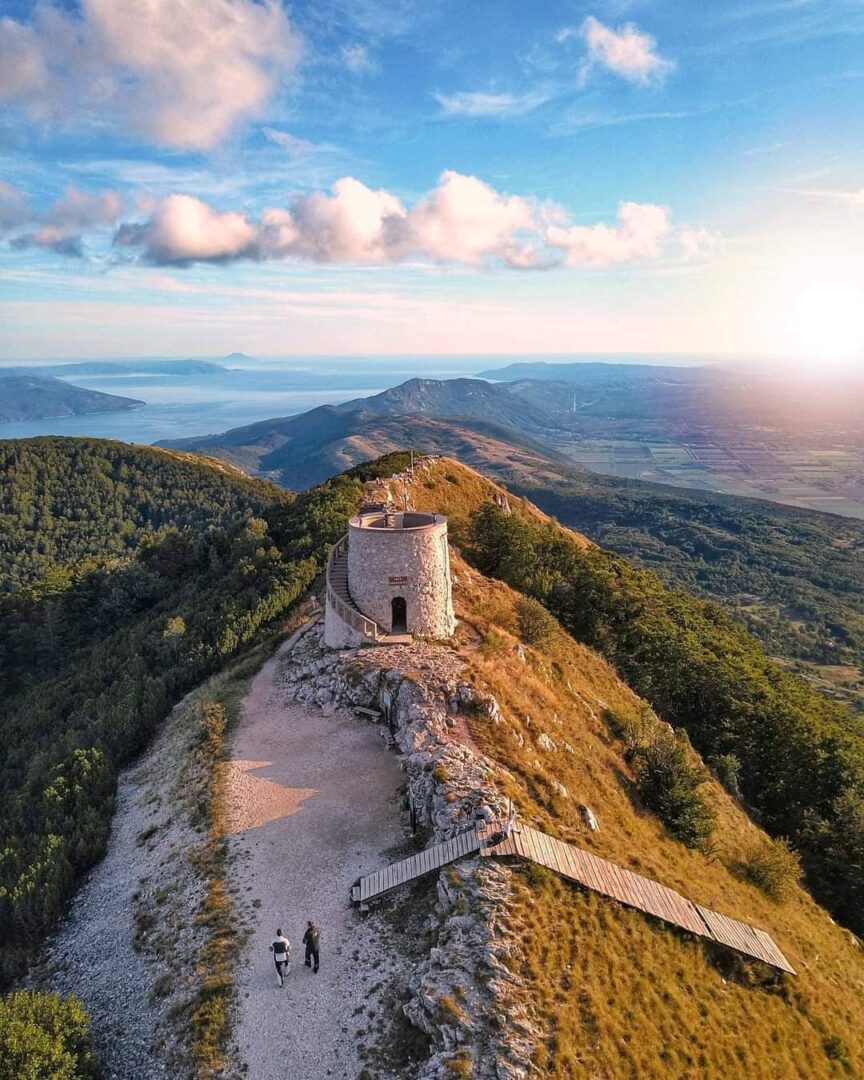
<point x="611" y="985"/>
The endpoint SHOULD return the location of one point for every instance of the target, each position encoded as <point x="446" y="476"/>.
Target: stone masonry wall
<point x="420" y="560"/>
<point x="337" y="633"/>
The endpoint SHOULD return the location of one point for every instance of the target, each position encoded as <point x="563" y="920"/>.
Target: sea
<point x="184" y="406"/>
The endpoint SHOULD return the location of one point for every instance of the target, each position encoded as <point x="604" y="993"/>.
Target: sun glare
<point x="827" y="319"/>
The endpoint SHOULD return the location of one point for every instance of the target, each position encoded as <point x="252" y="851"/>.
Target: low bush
<point x="536" y="625"/>
<point x="670" y="783"/>
<point x="773" y="867"/>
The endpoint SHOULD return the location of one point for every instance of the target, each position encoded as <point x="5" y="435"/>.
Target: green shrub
<point x="670" y="785"/>
<point x="44" y="1035"/>
<point x="492" y="645"/>
<point x="835" y="1049"/>
<point x="773" y="867"/>
<point x="536" y="625"/>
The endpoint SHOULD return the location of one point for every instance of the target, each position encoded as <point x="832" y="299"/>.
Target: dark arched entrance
<point x="399" y="615"/>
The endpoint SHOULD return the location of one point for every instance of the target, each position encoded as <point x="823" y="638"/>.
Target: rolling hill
<point x="793" y="576"/>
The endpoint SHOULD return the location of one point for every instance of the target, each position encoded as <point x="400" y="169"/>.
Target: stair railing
<point x="354" y="618"/>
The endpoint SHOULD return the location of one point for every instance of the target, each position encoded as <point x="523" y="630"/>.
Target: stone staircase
<point x="338" y="578"/>
<point x="339" y="596"/>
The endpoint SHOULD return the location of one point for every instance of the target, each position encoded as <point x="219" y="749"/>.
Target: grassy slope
<point x="619" y="993"/>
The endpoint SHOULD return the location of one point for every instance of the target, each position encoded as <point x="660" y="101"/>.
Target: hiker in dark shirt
<point x="310" y="940"/>
<point x="281" y="949"/>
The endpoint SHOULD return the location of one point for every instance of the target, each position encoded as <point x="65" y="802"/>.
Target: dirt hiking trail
<point x="312" y="804"/>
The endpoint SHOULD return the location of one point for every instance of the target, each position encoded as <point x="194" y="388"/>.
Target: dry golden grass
<point x="212" y="1012"/>
<point x="621" y="994"/>
<point x="448" y="487"/>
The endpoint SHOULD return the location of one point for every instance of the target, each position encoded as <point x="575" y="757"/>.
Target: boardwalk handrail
<point x="354" y="618"/>
<point x="591" y="872"/>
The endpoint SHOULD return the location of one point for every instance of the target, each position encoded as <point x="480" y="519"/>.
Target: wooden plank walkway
<point x="635" y="891"/>
<point x="431" y="858"/>
<point x="588" y="870"/>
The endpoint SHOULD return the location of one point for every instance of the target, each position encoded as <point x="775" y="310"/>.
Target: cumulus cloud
<point x="627" y="51"/>
<point x="697" y="244"/>
<point x="639" y="234"/>
<point x="182" y="73"/>
<point x="462" y="221"/>
<point x="478" y="103"/>
<point x="59" y="227"/>
<point x="183" y="229"/>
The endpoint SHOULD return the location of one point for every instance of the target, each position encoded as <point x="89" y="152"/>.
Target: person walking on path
<point x="310" y="940"/>
<point x="281" y="949"/>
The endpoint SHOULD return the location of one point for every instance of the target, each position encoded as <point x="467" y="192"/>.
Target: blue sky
<point x="359" y="177"/>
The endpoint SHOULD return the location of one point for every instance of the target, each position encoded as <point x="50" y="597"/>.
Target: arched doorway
<point x="398" y="615"/>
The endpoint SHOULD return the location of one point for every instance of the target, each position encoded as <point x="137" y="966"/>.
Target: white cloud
<point x="697" y="244"/>
<point x="347" y="226"/>
<point x="478" y="103"/>
<point x="182" y="73"/>
<point x="183" y="229"/>
<point x="852" y="199"/>
<point x="628" y="51"/>
<point x="295" y="146"/>
<point x="462" y="221"/>
<point x="640" y="233"/>
<point x="357" y="59"/>
<point x="59" y="228"/>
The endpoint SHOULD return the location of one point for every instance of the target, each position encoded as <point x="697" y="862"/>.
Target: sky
<point x="374" y="177"/>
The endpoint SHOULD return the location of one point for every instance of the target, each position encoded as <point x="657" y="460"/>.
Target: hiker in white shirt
<point x="281" y="949"/>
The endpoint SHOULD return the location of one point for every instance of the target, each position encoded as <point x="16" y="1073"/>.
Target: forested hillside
<point x="89" y="668"/>
<point x="67" y="500"/>
<point x="794" y="578"/>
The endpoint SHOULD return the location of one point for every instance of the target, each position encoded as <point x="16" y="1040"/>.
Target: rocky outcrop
<point x="466" y="984"/>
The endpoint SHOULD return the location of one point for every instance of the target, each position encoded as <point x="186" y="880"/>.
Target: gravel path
<point x="313" y="802"/>
<point x="92" y="955"/>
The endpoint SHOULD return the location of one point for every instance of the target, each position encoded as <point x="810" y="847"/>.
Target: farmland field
<point x="831" y="480"/>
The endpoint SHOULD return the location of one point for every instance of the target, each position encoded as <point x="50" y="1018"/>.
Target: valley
<point x="791" y="575"/>
<point x="829" y="480"/>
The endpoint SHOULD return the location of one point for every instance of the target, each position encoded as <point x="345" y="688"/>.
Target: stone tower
<point x="389" y="577"/>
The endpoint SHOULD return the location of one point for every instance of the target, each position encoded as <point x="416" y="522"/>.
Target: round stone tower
<point x="393" y="579"/>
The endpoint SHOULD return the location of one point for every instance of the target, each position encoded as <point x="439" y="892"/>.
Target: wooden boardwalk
<point x="591" y="872"/>
<point x="432" y="858"/>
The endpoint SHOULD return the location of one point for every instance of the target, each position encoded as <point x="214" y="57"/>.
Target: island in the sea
<point x="35" y="397"/>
